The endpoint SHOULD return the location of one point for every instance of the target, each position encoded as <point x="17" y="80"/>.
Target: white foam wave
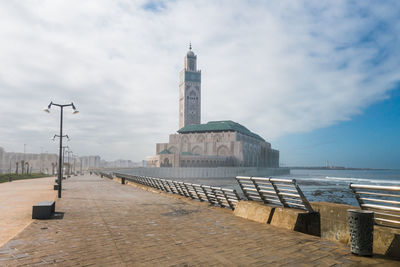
<point x="361" y="180"/>
<point x="347" y="180"/>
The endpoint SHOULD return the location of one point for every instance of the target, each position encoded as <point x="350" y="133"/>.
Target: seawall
<point x="329" y="221"/>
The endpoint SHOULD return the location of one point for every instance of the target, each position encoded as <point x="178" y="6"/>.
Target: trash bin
<point x="361" y="224"/>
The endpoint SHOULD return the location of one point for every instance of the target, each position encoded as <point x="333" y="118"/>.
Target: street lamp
<point x="75" y="111"/>
<point x="69" y="164"/>
<point x="56" y="135"/>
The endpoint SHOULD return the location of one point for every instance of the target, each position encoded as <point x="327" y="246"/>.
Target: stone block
<point x="387" y="241"/>
<point x="291" y="219"/>
<point x="255" y="211"/>
<point x="296" y="220"/>
<point x="334" y="224"/>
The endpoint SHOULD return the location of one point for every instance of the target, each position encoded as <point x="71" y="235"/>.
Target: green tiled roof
<point x="219" y="126"/>
<point x="165" y="151"/>
<point x="187" y="153"/>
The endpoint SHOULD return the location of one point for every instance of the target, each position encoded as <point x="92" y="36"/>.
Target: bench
<point x="383" y="200"/>
<point x="43" y="210"/>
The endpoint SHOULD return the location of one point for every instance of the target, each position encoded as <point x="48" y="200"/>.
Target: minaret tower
<point x="190" y="91"/>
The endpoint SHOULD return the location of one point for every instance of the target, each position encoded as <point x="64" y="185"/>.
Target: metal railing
<point x="223" y="197"/>
<point x="281" y="192"/>
<point x="383" y="200"/>
<point x="105" y="174"/>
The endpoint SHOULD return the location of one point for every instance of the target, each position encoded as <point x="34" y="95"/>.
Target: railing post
<point x="176" y="188"/>
<point x="303" y="198"/>
<point x="188" y="191"/>
<point x="153" y="183"/>
<point x="164" y="182"/>
<point x="258" y="191"/>
<point x="216" y="197"/>
<point x="160" y="184"/>
<point x="277" y="193"/>
<point x="197" y="193"/>
<point x="227" y="200"/>
<point x="360" y="202"/>
<point x="243" y="190"/>
<point x="170" y="187"/>
<point x="182" y="190"/>
<point x="205" y="193"/>
<point x="237" y="195"/>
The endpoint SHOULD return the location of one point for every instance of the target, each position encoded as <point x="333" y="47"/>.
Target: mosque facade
<point x="213" y="144"/>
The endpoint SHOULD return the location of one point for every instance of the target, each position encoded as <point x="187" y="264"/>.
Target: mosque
<point x="212" y="144"/>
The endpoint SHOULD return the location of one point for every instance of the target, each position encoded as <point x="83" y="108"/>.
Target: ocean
<point x="318" y="185"/>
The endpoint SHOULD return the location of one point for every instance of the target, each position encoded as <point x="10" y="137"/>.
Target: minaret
<point x="190" y="91"/>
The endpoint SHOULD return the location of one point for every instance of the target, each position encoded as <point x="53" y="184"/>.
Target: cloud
<point x="277" y="67"/>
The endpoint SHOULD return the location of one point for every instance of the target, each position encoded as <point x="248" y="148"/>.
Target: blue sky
<point x="369" y="140"/>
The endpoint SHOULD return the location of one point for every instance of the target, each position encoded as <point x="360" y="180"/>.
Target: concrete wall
<point x="329" y="221"/>
<point x="334" y="226"/>
<point x="207" y="172"/>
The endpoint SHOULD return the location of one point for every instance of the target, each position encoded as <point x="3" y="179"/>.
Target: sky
<point x="317" y="79"/>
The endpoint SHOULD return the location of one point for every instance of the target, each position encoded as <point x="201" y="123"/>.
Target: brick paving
<point x="109" y="224"/>
<point x="17" y="199"/>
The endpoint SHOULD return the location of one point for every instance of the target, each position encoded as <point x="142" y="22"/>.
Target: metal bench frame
<point x="107" y="175"/>
<point x="280" y="192"/>
<point x="383" y="200"/>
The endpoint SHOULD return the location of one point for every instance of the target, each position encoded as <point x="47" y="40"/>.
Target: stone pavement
<point x="109" y="224"/>
<point x="17" y="199"/>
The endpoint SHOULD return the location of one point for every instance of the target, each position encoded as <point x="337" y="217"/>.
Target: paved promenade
<point x="17" y="199"/>
<point x="109" y="224"/>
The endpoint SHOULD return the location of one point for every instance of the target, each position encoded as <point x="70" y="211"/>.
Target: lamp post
<point x="69" y="164"/>
<point x="74" y="156"/>
<point x="75" y="111"/>
<point x="64" y="150"/>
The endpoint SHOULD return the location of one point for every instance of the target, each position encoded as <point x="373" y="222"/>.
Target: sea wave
<point x="361" y="180"/>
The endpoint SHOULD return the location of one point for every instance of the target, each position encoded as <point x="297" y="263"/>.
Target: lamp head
<point x="75" y="111"/>
<point x="47" y="109"/>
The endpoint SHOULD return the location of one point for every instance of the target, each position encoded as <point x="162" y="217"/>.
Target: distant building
<point x="90" y="162"/>
<point x="213" y="144"/>
<point x="119" y="163"/>
<point x="10" y="162"/>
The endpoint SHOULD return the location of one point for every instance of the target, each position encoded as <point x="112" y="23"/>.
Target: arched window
<point x="200" y="139"/>
<point x="197" y="150"/>
<point x="222" y="151"/>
